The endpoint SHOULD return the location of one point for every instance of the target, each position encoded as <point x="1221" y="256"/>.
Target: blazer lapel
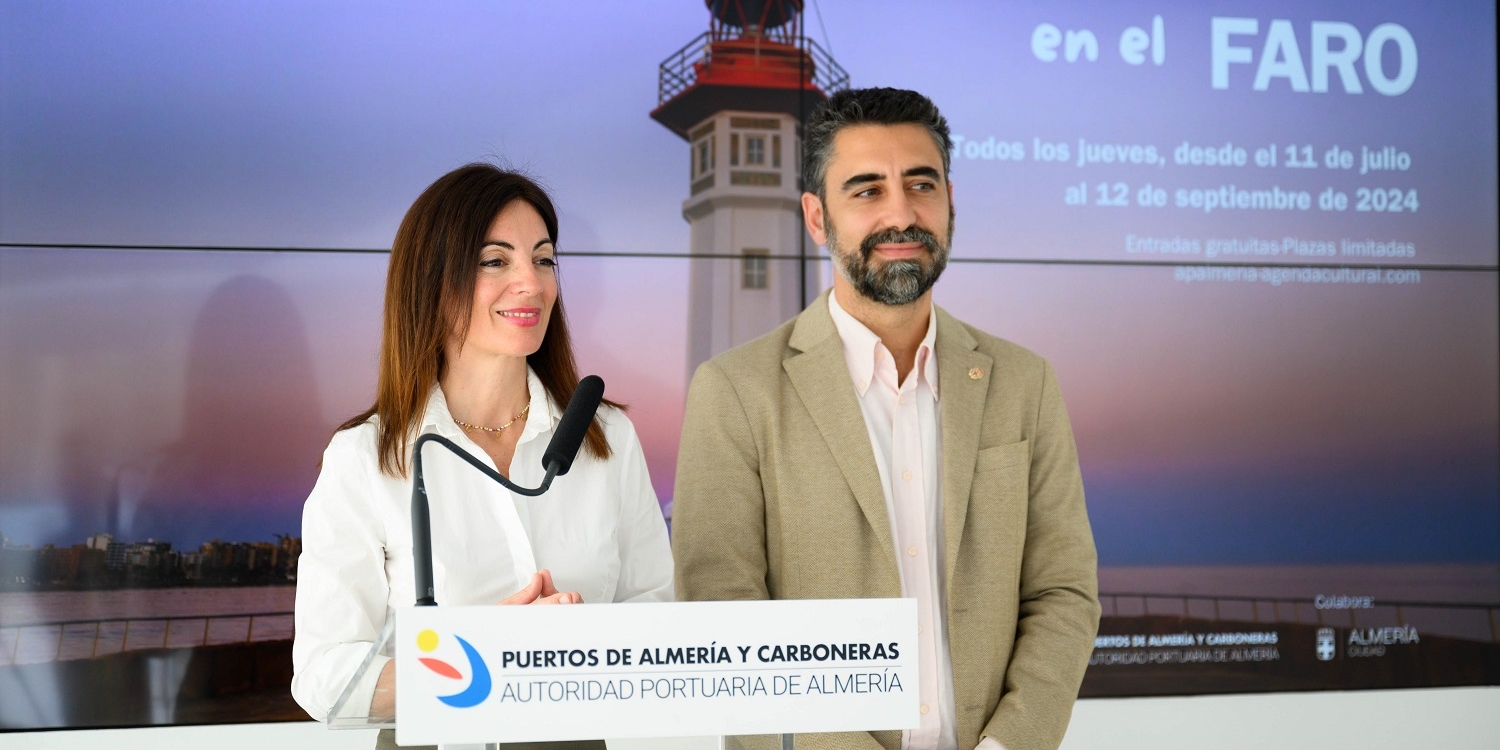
<point x="820" y="376"/>
<point x="963" y="401"/>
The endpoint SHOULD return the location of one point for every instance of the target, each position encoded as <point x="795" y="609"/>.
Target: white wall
<point x="1449" y="718"/>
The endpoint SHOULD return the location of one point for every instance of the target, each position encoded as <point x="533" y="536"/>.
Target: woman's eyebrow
<point x="508" y="246"/>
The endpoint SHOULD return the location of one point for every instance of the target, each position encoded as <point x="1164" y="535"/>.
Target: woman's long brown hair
<point x="429" y="291"/>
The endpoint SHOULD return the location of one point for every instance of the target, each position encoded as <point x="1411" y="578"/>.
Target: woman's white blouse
<point x="598" y="529"/>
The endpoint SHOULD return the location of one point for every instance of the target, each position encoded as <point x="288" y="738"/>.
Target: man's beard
<point x="893" y="282"/>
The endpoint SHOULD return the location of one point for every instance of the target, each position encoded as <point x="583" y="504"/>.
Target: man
<point x="875" y="446"/>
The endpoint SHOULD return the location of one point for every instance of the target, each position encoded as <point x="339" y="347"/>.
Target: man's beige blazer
<point x="778" y="496"/>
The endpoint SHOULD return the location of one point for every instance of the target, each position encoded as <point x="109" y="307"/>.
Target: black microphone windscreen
<point x="574" y="424"/>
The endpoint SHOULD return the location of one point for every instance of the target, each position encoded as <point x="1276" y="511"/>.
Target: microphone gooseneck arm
<point x="572" y="428"/>
<point x="421" y="522"/>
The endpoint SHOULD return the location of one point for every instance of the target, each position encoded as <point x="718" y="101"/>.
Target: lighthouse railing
<point x="827" y="73"/>
<point x="679" y="71"/>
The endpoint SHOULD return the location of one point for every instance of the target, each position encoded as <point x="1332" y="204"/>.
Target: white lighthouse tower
<point x="738" y="94"/>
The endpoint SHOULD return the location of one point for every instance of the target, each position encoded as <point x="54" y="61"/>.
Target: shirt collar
<point x="862" y="347"/>
<point x="541" y="418"/>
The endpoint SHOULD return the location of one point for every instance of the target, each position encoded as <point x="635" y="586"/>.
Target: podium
<point x="754" y="673"/>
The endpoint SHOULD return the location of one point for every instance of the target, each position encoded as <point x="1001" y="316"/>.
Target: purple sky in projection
<point x="1217" y="422"/>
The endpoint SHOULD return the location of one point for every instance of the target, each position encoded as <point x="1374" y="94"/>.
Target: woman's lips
<point x="525" y="317"/>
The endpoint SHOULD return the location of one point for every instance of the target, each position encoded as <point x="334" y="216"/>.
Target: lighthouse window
<point x="734" y="149"/>
<point x="755" y="150"/>
<point x="756" y="273"/>
<point x="703" y="156"/>
<point x="776" y="151"/>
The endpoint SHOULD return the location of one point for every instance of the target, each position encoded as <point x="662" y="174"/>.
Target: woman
<point x="475" y="347"/>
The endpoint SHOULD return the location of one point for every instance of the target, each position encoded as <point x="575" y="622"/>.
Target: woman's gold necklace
<point x="512" y="421"/>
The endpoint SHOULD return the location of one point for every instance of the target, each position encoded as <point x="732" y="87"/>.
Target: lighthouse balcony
<point x="712" y="73"/>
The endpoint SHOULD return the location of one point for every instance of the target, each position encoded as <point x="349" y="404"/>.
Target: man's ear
<point x="812" y="216"/>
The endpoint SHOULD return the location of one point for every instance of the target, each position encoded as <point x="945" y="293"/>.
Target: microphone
<point x="574" y="425"/>
<point x="557" y="460"/>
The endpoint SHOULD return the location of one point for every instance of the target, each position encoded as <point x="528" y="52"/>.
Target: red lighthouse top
<point x="753" y="58"/>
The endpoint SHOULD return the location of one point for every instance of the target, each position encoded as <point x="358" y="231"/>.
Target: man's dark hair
<point x="875" y="106"/>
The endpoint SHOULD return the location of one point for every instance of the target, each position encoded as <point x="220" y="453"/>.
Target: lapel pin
<point x="976" y="373"/>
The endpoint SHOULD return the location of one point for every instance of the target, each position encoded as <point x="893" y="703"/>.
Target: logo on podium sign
<point x="480" y="683"/>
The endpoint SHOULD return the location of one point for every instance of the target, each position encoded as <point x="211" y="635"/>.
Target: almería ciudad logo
<point x="479" y="673"/>
<point x="1326" y="647"/>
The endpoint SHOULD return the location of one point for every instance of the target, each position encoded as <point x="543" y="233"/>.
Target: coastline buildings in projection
<point x="738" y="94"/>
<point x="101" y="562"/>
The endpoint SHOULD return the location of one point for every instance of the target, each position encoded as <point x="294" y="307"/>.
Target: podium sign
<point x="590" y="671"/>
